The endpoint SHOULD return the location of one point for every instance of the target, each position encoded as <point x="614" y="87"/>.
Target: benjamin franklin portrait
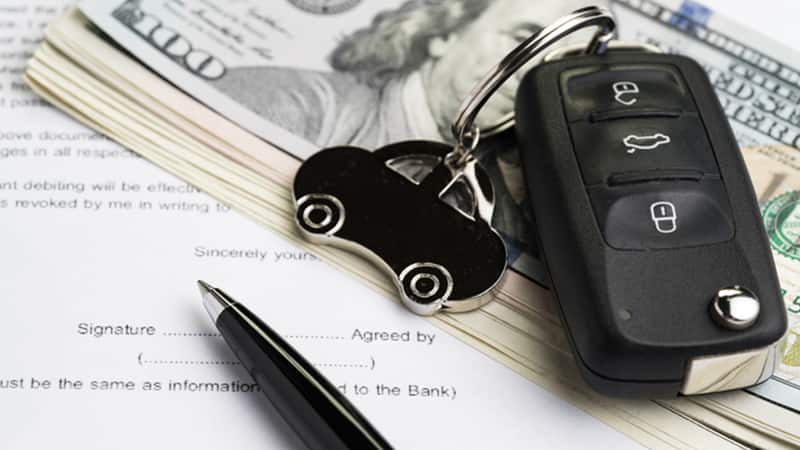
<point x="404" y="77"/>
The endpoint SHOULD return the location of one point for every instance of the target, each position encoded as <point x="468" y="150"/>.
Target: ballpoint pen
<point x="321" y="416"/>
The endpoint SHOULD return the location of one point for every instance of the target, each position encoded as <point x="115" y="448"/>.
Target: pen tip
<point x="204" y="287"/>
<point x="214" y="300"/>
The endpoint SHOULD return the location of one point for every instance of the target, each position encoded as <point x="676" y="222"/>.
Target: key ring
<point x="466" y="133"/>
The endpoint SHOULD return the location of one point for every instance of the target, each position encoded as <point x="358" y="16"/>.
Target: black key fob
<point x="649" y="226"/>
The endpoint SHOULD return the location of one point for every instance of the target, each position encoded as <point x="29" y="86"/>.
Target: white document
<point x="105" y="344"/>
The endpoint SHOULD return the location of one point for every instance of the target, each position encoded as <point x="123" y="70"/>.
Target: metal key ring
<point x="464" y="129"/>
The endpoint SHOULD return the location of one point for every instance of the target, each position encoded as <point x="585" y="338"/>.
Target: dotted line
<point x="343" y="365"/>
<point x="287" y="336"/>
<point x="192" y="334"/>
<point x="302" y="336"/>
<point x="237" y="363"/>
<point x="181" y="362"/>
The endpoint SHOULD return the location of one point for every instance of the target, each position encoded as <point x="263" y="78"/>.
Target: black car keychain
<point x="645" y="215"/>
<point x="420" y="209"/>
<point x="391" y="205"/>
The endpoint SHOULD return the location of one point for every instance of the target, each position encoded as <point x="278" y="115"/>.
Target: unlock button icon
<point x="625" y="92"/>
<point x="664" y="217"/>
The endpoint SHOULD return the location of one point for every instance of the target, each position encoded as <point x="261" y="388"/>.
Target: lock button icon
<point x="664" y="217"/>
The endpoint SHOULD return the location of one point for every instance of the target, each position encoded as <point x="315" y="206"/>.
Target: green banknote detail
<point x="782" y="222"/>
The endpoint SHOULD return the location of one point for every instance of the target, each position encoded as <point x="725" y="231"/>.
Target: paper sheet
<point x="105" y="343"/>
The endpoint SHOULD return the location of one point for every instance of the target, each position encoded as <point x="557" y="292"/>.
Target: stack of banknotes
<point x="232" y="96"/>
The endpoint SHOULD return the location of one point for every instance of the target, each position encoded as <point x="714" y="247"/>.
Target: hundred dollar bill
<point x="366" y="75"/>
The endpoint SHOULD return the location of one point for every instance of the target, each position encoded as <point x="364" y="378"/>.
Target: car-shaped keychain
<point x="403" y="207"/>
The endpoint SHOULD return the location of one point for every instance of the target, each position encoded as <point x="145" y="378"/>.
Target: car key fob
<point x="648" y="224"/>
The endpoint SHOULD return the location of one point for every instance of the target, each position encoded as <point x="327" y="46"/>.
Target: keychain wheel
<point x="320" y="214"/>
<point x="426" y="285"/>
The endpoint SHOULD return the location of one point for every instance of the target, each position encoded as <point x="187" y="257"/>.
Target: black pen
<point x="310" y="404"/>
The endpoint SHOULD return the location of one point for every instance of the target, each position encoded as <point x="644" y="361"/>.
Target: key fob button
<point x="623" y="88"/>
<point x="641" y="144"/>
<point x="663" y="215"/>
<point x="735" y="308"/>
